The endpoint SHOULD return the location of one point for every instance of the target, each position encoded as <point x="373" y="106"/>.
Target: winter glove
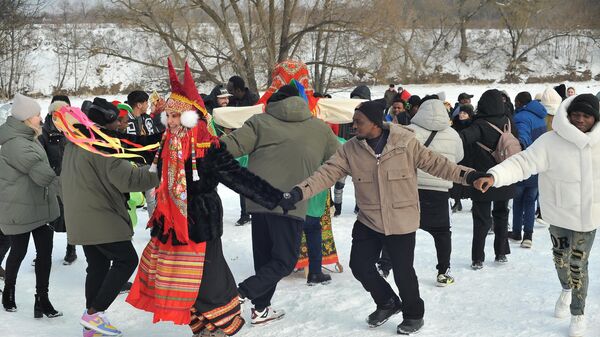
<point x="289" y="200"/>
<point x="474" y="175"/>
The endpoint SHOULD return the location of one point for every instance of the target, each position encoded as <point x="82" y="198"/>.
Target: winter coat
<point x="432" y="116"/>
<point x="388" y="96"/>
<point x="459" y="191"/>
<point x="94" y="196"/>
<point x="54" y="143"/>
<point x="490" y="109"/>
<point x="205" y="209"/>
<point x="531" y="124"/>
<point x="551" y="101"/>
<point x="142" y="125"/>
<point x="285" y="145"/>
<point x="28" y="185"/>
<point x="385" y="188"/>
<point x="565" y="160"/>
<point x="249" y="99"/>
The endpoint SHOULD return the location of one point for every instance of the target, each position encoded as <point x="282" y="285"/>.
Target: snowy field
<point x="515" y="299"/>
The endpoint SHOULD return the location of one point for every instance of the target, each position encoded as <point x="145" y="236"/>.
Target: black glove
<point x="474" y="175"/>
<point x="289" y="200"/>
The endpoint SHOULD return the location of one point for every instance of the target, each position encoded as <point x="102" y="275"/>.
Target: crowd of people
<point x="85" y="171"/>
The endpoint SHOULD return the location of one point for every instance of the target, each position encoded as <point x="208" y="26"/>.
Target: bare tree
<point x="467" y="9"/>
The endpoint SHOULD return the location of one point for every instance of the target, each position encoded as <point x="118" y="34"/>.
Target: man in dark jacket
<point x="490" y="110"/>
<point x="96" y="216"/>
<point x="241" y="96"/>
<point x="530" y="123"/>
<point x="286" y="133"/>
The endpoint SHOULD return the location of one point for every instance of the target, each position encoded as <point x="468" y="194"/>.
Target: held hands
<point x="480" y="181"/>
<point x="288" y="200"/>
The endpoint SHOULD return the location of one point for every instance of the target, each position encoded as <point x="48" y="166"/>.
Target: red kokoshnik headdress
<point x="177" y="146"/>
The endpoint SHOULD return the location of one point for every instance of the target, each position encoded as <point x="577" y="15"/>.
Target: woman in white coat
<point x="567" y="160"/>
<point x="432" y="128"/>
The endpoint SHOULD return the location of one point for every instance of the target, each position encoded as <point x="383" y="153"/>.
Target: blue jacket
<point x="530" y="122"/>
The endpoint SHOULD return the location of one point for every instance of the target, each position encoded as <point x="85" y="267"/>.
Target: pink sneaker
<point x="98" y="322"/>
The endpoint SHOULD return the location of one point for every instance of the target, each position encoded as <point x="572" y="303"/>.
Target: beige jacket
<point x="385" y="189"/>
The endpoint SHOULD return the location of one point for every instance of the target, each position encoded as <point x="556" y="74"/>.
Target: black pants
<point x="4" y="246"/>
<point x="435" y="219"/>
<point x="483" y="221"/>
<point x="366" y="246"/>
<point x="104" y="281"/>
<point x="218" y="286"/>
<point x="275" y="247"/>
<point x="243" y="211"/>
<point x="42" y="238"/>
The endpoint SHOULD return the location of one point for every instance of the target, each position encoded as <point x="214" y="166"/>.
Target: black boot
<point x="8" y="299"/>
<point x="338" y="209"/>
<point x="42" y="306"/>
<point x="384" y="312"/>
<point x="244" y="219"/>
<point x="316" y="278"/>
<point x="409" y="326"/>
<point x="70" y="256"/>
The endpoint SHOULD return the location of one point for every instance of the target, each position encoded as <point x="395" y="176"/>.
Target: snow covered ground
<point x="516" y="299"/>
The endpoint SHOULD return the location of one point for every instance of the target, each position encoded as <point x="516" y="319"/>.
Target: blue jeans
<point x="312" y="231"/>
<point x="524" y="209"/>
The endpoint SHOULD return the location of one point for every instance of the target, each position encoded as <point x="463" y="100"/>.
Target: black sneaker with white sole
<point x="318" y="278"/>
<point x="384" y="312"/>
<point x="410" y="326"/>
<point x="125" y="288"/>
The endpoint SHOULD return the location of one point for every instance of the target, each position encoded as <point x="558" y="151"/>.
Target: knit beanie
<point x="373" y="110"/>
<point x="102" y="112"/>
<point x="55" y="106"/>
<point x="62" y="98"/>
<point x="586" y="103"/>
<point x="24" y="107"/>
<point x="284" y="92"/>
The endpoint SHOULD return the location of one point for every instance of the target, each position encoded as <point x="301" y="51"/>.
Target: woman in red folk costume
<point x="183" y="276"/>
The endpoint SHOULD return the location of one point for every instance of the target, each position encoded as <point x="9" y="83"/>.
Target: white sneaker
<point x="562" y="307"/>
<point x="577" y="327"/>
<point x="267" y="315"/>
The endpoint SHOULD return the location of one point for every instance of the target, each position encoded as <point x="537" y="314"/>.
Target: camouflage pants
<point x="571" y="251"/>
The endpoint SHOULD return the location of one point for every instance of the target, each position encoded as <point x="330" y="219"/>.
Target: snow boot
<point x="562" y="307"/>
<point x="42" y="306"/>
<point x="8" y="299"/>
<point x="384" y="312"/>
<point x="338" y="209"/>
<point x="316" y="278"/>
<point x="577" y="326"/>
<point x="70" y="256"/>
<point x="244" y="219"/>
<point x="268" y="314"/>
<point x="409" y="326"/>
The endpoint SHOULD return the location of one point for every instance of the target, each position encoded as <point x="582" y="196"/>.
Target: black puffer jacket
<point x="54" y="143"/>
<point x="205" y="210"/>
<point x="490" y="108"/>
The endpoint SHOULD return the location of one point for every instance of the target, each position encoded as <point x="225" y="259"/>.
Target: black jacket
<point x="490" y="108"/>
<point x="249" y="99"/>
<point x="205" y="210"/>
<point x="54" y="143"/>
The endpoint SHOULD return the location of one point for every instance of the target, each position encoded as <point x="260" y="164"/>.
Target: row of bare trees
<point x="342" y="41"/>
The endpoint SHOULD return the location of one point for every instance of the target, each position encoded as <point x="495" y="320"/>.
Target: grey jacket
<point x="28" y="185"/>
<point x="285" y="146"/>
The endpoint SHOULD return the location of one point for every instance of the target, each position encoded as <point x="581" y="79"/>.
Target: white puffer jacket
<point x="433" y="116"/>
<point x="568" y="163"/>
